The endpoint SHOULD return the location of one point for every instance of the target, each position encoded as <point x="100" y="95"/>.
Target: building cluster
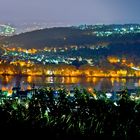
<point x="108" y="30"/>
<point x="44" y="56"/>
<point x="55" y="62"/>
<point x="6" y="30"/>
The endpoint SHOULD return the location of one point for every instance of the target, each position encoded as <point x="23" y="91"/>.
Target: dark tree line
<point x="73" y="115"/>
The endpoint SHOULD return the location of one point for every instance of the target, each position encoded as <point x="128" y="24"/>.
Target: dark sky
<point x="70" y="11"/>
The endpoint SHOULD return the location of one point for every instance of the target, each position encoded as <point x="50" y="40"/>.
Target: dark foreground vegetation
<point x="78" y="114"/>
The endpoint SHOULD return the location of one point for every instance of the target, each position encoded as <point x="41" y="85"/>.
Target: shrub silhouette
<point x="64" y="115"/>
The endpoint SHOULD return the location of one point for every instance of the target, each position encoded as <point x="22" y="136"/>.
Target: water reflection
<point x="8" y="82"/>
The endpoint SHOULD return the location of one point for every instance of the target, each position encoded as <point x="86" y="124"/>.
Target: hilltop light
<point x="131" y="28"/>
<point x="124" y="29"/>
<point x="6" y="30"/>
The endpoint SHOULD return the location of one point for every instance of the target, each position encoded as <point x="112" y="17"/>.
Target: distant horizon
<point x="34" y="26"/>
<point x="73" y="12"/>
<point x="62" y="24"/>
<point x="59" y="23"/>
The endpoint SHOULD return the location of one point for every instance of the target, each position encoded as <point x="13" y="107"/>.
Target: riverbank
<point x="79" y="76"/>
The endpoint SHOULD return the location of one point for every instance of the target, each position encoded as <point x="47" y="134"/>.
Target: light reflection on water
<point x="8" y="82"/>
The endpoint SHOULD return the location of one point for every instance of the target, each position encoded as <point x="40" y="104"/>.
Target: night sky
<point x="70" y="11"/>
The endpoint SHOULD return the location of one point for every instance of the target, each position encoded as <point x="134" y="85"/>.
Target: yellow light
<point x="90" y="89"/>
<point x="29" y="87"/>
<point x="112" y="80"/>
<point x="29" y="79"/>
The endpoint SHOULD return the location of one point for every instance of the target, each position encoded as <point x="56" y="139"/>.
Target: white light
<point x="108" y="95"/>
<point x="135" y="68"/>
<point x="115" y="104"/>
<point x="131" y="28"/>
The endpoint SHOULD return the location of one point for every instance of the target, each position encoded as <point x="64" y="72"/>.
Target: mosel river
<point x="8" y="82"/>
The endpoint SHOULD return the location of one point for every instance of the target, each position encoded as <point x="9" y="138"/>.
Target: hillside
<point x="66" y="36"/>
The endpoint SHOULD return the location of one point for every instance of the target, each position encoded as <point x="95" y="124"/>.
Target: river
<point x="8" y="82"/>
